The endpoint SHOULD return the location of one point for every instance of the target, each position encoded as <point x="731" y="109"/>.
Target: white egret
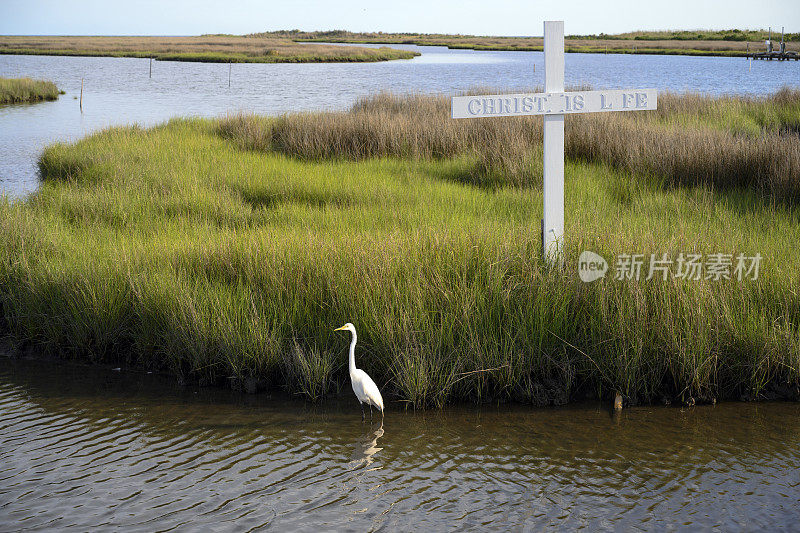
<point x="366" y="390"/>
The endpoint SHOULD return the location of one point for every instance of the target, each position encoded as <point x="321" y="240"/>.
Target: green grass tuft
<point x="21" y="90"/>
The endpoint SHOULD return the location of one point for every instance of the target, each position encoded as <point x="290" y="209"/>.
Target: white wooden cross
<point x="554" y="103"/>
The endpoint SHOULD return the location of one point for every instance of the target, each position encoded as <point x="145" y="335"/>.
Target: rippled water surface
<point x="84" y="448"/>
<point x="121" y="91"/>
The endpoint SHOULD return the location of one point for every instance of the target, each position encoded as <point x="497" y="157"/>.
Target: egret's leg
<point x="370" y="413"/>
<point x="363" y="416"/>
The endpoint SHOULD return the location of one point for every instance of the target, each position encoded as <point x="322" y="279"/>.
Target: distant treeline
<point x="662" y="35"/>
<point x="695" y="35"/>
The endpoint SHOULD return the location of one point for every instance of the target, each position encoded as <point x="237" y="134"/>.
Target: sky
<point x="485" y="17"/>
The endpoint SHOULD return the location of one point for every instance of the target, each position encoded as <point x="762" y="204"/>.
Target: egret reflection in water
<point x="366" y="447"/>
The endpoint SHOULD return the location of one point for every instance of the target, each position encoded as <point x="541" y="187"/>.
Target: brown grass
<point x="633" y="42"/>
<point x="202" y="48"/>
<point x="691" y="140"/>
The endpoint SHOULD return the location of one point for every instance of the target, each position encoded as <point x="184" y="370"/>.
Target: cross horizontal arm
<point x="523" y="104"/>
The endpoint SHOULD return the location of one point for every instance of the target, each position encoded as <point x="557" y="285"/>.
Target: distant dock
<point x="769" y="54"/>
<point x="780" y="56"/>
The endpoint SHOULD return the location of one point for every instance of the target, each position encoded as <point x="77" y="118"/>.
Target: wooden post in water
<point x="80" y="102"/>
<point x="229" y="74"/>
<point x="151" y="68"/>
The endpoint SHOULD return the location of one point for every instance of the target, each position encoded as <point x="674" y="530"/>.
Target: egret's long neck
<point x="353" y="353"/>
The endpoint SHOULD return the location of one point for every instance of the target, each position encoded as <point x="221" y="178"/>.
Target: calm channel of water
<point x="120" y="91"/>
<point x="86" y="448"/>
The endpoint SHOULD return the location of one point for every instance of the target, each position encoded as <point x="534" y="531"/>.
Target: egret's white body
<point x="365" y="389"/>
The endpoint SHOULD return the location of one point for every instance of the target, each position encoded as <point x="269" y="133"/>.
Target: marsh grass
<point x="725" y="142"/>
<point x="310" y="372"/>
<point x="695" y="35"/>
<point x="206" y="48"/>
<point x="722" y="43"/>
<point x="21" y="90"/>
<point x="214" y="248"/>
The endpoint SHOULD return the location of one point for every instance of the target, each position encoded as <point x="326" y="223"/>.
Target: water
<point x="119" y="90"/>
<point x="84" y="448"/>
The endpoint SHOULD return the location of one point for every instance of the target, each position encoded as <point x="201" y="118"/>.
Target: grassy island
<point x="205" y="48"/>
<point x="233" y="247"/>
<point x="21" y="90"/>
<point x="701" y="42"/>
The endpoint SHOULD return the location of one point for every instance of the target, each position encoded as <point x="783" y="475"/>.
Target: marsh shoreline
<point x="203" y="49"/>
<point x="721" y="44"/>
<point x="774" y="391"/>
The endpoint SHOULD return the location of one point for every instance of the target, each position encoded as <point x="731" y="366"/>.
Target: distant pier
<point x="781" y="54"/>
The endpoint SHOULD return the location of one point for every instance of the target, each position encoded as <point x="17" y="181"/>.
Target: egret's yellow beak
<point x="339" y="329"/>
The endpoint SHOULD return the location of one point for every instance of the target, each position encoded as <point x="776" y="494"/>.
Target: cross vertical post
<point x="553" y="145"/>
<point x="553" y="104"/>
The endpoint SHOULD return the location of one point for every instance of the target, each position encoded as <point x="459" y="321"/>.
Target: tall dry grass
<point x="208" y="48"/>
<point x="722" y="142"/>
<point x="682" y="43"/>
